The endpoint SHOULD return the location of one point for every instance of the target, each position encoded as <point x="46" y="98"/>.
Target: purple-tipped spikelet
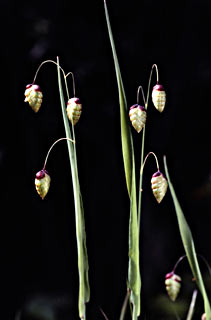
<point x="173" y="285"/>
<point x="74" y="109"/>
<point x="159" y="97"/>
<point x="33" y="96"/>
<point x="138" y="116"/>
<point x="42" y="183"/>
<point x="159" y="186"/>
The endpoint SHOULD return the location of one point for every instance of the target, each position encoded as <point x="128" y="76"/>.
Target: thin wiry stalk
<point x="124" y="306"/>
<point x="157" y="164"/>
<point x="46" y="61"/>
<point x="142" y="148"/>
<point x="104" y="315"/>
<point x="73" y="79"/>
<point x="198" y="255"/>
<point x="143" y="96"/>
<point x="141" y="177"/>
<point x="192" y="305"/>
<point x="46" y="159"/>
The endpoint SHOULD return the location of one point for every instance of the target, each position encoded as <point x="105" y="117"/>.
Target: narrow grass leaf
<point x="84" y="291"/>
<point x="134" y="280"/>
<point x="127" y="143"/>
<point x="188" y="244"/>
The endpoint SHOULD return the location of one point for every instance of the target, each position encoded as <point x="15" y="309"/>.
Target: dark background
<point x="38" y="255"/>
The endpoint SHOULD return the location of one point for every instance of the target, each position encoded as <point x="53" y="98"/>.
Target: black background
<point x="38" y="256"/>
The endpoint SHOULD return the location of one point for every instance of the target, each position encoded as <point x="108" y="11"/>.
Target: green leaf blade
<point x="189" y="246"/>
<point x="126" y="137"/>
<point x="134" y="279"/>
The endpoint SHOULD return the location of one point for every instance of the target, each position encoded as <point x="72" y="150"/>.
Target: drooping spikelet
<point x="173" y="285"/>
<point x="33" y="96"/>
<point x="74" y="109"/>
<point x="138" y="116"/>
<point x="42" y="183"/>
<point x="159" y="186"/>
<point x="159" y="97"/>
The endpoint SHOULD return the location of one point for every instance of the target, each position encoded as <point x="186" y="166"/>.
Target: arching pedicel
<point x="42" y="178"/>
<point x="158" y="93"/>
<point x="33" y="93"/>
<point x="34" y="96"/>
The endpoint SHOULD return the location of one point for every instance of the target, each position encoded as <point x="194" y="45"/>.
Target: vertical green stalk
<point x="134" y="279"/>
<point x="141" y="177"/>
<point x="142" y="150"/>
<point x="84" y="292"/>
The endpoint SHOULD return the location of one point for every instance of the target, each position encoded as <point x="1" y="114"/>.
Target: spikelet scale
<point x="159" y="186"/>
<point x="33" y="96"/>
<point x="42" y="183"/>
<point x="138" y="117"/>
<point x="159" y="97"/>
<point x="173" y="285"/>
<point x="74" y="109"/>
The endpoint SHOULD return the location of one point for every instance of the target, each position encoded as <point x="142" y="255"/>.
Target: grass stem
<point x="84" y="291"/>
<point x="192" y="305"/>
<point x="142" y="148"/>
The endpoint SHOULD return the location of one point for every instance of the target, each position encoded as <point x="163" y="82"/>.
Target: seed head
<point x="138" y="116"/>
<point x="159" y="97"/>
<point x="33" y="96"/>
<point x="173" y="285"/>
<point x="74" y="109"/>
<point x="42" y="183"/>
<point x="159" y="186"/>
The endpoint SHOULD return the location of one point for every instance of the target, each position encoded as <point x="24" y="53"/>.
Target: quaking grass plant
<point x="137" y="117"/>
<point x="33" y="96"/>
<point x="138" y="121"/>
